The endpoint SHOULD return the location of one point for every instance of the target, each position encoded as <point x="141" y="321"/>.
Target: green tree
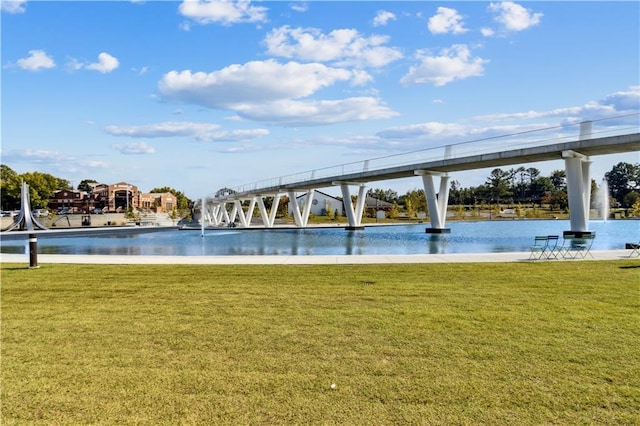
<point x="85" y="185"/>
<point x="183" y="202"/>
<point x="394" y="212"/>
<point x="539" y="187"/>
<point x="631" y="198"/>
<point x="498" y="184"/>
<point x="417" y="201"/>
<point x="635" y="208"/>
<point x="559" y="180"/>
<point x="409" y="208"/>
<point x="42" y="187"/>
<point x="9" y="188"/>
<point x="622" y="179"/>
<point x="388" y="195"/>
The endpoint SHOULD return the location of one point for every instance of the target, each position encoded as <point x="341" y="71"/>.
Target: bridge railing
<point x="534" y="137"/>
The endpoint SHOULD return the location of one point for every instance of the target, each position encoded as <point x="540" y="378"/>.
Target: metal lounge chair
<point x="541" y="247"/>
<point x="537" y="249"/>
<point x="578" y="246"/>
<point x="635" y="250"/>
<point x="551" y="251"/>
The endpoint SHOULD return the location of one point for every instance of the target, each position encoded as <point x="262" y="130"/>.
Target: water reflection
<point x="465" y="237"/>
<point x="437" y="243"/>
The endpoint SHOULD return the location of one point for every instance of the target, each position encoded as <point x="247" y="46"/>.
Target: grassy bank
<point x="527" y="343"/>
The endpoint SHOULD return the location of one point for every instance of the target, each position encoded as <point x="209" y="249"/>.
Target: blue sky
<point x="200" y="95"/>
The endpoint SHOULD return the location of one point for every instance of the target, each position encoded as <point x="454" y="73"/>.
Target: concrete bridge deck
<point x="589" y="147"/>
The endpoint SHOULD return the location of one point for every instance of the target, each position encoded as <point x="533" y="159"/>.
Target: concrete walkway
<point x="302" y="260"/>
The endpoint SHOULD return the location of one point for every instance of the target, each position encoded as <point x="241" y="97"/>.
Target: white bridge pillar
<point x="354" y="215"/>
<point x="579" y="184"/>
<point x="223" y="215"/>
<point x="268" y="218"/>
<point x="210" y="214"/>
<point x="301" y="217"/>
<point x="437" y="203"/>
<point x="578" y="190"/>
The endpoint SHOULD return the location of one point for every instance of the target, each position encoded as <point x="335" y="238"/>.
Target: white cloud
<point x="430" y="129"/>
<point x="487" y="32"/>
<point x="300" y="7"/>
<point x="59" y="161"/>
<point x="225" y="12"/>
<point x="13" y="6"/>
<point x="140" y="71"/>
<point x="34" y="155"/>
<point x="628" y="100"/>
<point x="134" y="148"/>
<point x="162" y="130"/>
<point x="106" y="63"/>
<point x="268" y="91"/>
<point x="37" y="60"/>
<point x="204" y="132"/>
<point x="445" y="21"/>
<point x="254" y="82"/>
<point x="615" y="104"/>
<point x="513" y="16"/>
<point x="342" y="46"/>
<point x="383" y="17"/>
<point x="73" y="65"/>
<point x="313" y="113"/>
<point x="239" y="135"/>
<point x="454" y="63"/>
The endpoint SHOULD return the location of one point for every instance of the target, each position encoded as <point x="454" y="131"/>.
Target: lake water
<point x="465" y="237"/>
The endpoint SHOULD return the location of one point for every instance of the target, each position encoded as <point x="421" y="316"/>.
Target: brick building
<point x="117" y="197"/>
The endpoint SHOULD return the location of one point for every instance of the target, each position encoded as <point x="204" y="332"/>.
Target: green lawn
<point x="516" y="343"/>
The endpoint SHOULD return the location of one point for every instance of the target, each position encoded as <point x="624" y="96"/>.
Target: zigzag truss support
<point x="217" y="213"/>
<point x="301" y="216"/>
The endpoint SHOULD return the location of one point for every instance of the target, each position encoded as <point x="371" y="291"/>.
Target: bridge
<point x="574" y="147"/>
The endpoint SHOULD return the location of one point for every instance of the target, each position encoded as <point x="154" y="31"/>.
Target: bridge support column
<point x="223" y="215"/>
<point x="268" y="218"/>
<point x="578" y="190"/>
<point x="210" y="214"/>
<point x="217" y="214"/>
<point x="353" y="215"/>
<point x="436" y="202"/>
<point x="238" y="213"/>
<point x="301" y="218"/>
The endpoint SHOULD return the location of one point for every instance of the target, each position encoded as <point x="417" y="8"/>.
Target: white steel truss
<point x="268" y="218"/>
<point x="301" y="217"/>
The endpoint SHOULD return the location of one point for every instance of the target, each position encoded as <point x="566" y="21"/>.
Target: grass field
<point x="517" y="343"/>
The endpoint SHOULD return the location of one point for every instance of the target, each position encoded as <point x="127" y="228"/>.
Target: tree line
<point x="513" y="186"/>
<point x="526" y="186"/>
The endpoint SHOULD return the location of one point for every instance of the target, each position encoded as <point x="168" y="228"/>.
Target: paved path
<point x="301" y="260"/>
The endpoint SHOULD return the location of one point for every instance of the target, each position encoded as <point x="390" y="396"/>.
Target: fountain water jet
<point x="602" y="200"/>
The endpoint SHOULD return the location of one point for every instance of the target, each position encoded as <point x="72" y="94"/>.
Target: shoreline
<point x="510" y="257"/>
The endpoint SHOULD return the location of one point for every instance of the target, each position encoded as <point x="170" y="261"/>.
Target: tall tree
<point x="9" y="188"/>
<point x="42" y="186"/>
<point x="498" y="183"/>
<point x="388" y="195"/>
<point x="622" y="179"/>
<point x="85" y="185"/>
<point x="559" y="179"/>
